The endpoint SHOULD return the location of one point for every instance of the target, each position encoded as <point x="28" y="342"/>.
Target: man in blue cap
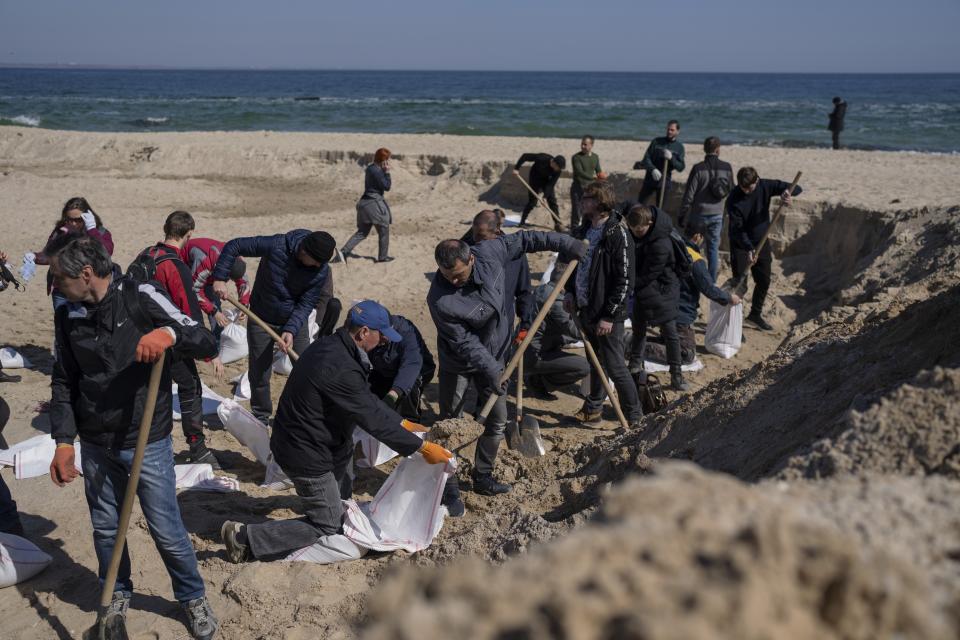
<point x="327" y="394"/>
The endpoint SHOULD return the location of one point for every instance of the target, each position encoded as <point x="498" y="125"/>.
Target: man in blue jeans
<point x="106" y="336"/>
<point x="709" y="184"/>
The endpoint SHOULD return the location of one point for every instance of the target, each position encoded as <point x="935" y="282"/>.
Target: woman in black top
<point x="372" y="209"/>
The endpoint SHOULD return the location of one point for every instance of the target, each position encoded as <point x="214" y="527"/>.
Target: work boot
<point x="387" y="259"/>
<point x="677" y="383"/>
<point x="486" y="485"/>
<point x="203" y="624"/>
<point x="588" y="417"/>
<point x="6" y="377"/>
<point x="451" y="499"/>
<point x="198" y="454"/>
<point x="635" y="366"/>
<point x="234" y="537"/>
<point x="757" y="320"/>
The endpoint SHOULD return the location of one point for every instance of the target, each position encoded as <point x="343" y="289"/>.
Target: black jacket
<point x="657" y="288"/>
<point x="698" y="282"/>
<point x="325" y="397"/>
<point x="98" y="389"/>
<point x="541" y="173"/>
<point x="611" y="273"/>
<point x="750" y="212"/>
<point x="404" y="362"/>
<point x="836" y="117"/>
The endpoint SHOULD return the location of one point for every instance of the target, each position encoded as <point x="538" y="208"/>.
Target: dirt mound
<point x="914" y="430"/>
<point x="686" y="554"/>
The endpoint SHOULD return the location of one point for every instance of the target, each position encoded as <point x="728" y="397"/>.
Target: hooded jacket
<point x="656" y="290"/>
<point x="99" y="391"/>
<point x="403" y="362"/>
<point x="285" y="291"/>
<point x="611" y="272"/>
<point x="326" y="395"/>
<point x="691" y="288"/>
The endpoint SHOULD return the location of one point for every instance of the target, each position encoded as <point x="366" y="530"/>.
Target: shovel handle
<point x="263" y="325"/>
<point x="531" y="332"/>
<point x="663" y="184"/>
<point x="153" y="388"/>
<point x="776" y="215"/>
<point x="598" y="371"/>
<point x="543" y="202"/>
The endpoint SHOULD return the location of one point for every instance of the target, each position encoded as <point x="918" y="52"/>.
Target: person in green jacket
<point x="586" y="169"/>
<point x="666" y="148"/>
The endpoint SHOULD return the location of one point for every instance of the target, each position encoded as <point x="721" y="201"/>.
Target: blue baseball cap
<point x="374" y="316"/>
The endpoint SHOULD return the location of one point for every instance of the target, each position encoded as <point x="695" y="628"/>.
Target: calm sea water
<point x="913" y="112"/>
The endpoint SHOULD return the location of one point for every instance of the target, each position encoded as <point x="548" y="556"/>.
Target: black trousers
<point x="836" y="139"/>
<point x="657" y="352"/>
<point x="557" y="369"/>
<point x="261" y="347"/>
<point x="408" y="404"/>
<point x="576" y="193"/>
<point x="668" y="331"/>
<point x="650" y="191"/>
<point x="760" y="271"/>
<point x="549" y="194"/>
<point x="363" y="230"/>
<point x="328" y="314"/>
<point x="609" y="350"/>
<point x="189" y="389"/>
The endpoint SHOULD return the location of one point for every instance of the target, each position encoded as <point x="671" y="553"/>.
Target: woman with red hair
<point x="372" y="209"/>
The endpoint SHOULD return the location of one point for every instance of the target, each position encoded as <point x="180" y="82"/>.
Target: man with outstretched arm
<point x="748" y="207"/>
<point x="328" y="393"/>
<point x="544" y="173"/>
<point x="106" y="334"/>
<point x="471" y="309"/>
<point x="289" y="283"/>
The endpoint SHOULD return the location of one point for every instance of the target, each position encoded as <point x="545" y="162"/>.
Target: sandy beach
<point x="818" y="489"/>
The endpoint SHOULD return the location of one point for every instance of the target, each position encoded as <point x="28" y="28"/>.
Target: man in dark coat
<point x="289" y="284"/>
<point x="598" y="291"/>
<point x="836" y="120"/>
<point x="667" y="149"/>
<point x="544" y="174"/>
<point x="748" y="207"/>
<point x="656" y="290"/>
<point x="326" y="395"/>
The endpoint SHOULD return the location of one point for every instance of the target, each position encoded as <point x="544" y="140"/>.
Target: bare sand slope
<point x="858" y="378"/>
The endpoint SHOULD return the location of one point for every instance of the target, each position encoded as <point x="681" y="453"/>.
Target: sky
<point x="618" y="35"/>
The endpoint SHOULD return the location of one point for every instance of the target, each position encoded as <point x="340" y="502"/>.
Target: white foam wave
<point x="27" y="121"/>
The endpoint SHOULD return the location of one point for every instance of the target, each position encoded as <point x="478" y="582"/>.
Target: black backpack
<point x="718" y="185"/>
<point x="142" y="270"/>
<point x="682" y="263"/>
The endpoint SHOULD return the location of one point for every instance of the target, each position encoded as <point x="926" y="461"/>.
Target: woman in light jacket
<point x="372" y="209"/>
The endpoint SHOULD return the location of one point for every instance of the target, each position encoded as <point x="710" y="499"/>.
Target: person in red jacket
<point x="201" y="255"/>
<point x="173" y="274"/>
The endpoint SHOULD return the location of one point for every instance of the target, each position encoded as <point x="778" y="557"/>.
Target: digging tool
<point x="263" y="325"/>
<point x="598" y="371"/>
<point x="113" y="627"/>
<point x="524" y="434"/>
<point x="518" y="354"/>
<point x="739" y="285"/>
<point x="543" y="203"/>
<point x="663" y="184"/>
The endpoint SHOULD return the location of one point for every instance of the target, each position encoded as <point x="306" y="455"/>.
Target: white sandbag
<point x="200" y="477"/>
<point x="254" y="435"/>
<point x="210" y="401"/>
<point x="233" y="343"/>
<point x="375" y="453"/>
<point x="312" y="325"/>
<point x="242" y="390"/>
<point x="545" y="278"/>
<point x="10" y="358"/>
<point x="330" y="549"/>
<point x="20" y="560"/>
<point x="724" y="329"/>
<point x="7" y="455"/>
<point x="655" y="367"/>
<point x="35" y="461"/>
<point x="282" y="363"/>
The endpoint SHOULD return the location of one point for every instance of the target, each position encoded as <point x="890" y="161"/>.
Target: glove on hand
<point x="434" y="453"/>
<point x="153" y="344"/>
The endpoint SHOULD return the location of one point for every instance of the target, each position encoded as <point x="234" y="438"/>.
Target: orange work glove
<point x="520" y="336"/>
<point x="153" y="344"/>
<point x="413" y="427"/>
<point x="63" y="469"/>
<point x="434" y="453"/>
<point x="602" y="176"/>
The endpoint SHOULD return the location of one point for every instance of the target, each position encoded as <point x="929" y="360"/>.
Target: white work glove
<point x="667" y="154"/>
<point x="656" y="175"/>
<point x="89" y="221"/>
<point x="29" y="266"/>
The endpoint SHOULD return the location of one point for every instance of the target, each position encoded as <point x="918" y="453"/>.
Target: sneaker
<point x="635" y="366"/>
<point x="203" y="624"/>
<point x="118" y="605"/>
<point x="588" y="417"/>
<point x="112" y="622"/>
<point x="757" y="321"/>
<point x="387" y="259"/>
<point x="198" y="454"/>
<point x="677" y="383"/>
<point x="237" y="551"/>
<point x="486" y="485"/>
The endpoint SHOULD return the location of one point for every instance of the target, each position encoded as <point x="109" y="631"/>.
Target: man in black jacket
<point x="105" y="334"/>
<point x="836" y="120"/>
<point x="327" y="394"/>
<point x="748" y="207"/>
<point x="598" y="291"/>
<point x="544" y="174"/>
<point x="667" y="149"/>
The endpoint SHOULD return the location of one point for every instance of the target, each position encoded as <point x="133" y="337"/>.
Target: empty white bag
<point x="200" y="477"/>
<point x="724" y="329"/>
<point x="20" y="560"/>
<point x="282" y="363"/>
<point x="254" y="435"/>
<point x="233" y="343"/>
<point x="210" y="401"/>
<point x="10" y="358"/>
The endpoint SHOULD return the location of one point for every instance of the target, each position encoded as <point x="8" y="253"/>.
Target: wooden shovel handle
<point x="543" y="203"/>
<point x="598" y="371"/>
<point x="263" y="325"/>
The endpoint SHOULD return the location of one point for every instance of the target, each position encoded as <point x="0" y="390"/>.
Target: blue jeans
<point x="711" y="242"/>
<point x="105" y="475"/>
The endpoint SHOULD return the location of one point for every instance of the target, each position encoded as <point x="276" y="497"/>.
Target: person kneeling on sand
<point x="100" y="380"/>
<point x="312" y="440"/>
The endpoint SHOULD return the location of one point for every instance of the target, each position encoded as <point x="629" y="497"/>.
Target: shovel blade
<point x="111" y="627"/>
<point x="512" y="433"/>
<point x="531" y="443"/>
<point x="736" y="285"/>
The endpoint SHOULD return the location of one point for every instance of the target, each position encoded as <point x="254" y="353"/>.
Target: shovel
<point x="263" y="325"/>
<point x="598" y="371"/>
<point x="738" y="285"/>
<point x="543" y="203"/>
<point x="518" y="354"/>
<point x="663" y="184"/>
<point x="113" y="627"/>
<point x="524" y="434"/>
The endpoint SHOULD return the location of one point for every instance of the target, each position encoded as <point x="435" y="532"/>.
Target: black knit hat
<point x="560" y="161"/>
<point x="319" y="245"/>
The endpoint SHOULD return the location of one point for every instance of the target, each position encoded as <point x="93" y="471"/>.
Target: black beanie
<point x="560" y="162"/>
<point x="319" y="245"/>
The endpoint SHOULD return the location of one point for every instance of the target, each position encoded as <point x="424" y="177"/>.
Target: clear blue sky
<point x="617" y="35"/>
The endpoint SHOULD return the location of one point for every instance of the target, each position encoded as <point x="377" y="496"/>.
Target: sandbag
<point x="282" y="363"/>
<point x="210" y="401"/>
<point x="659" y="367"/>
<point x="312" y="325"/>
<point x="200" y="477"/>
<point x="20" y="559"/>
<point x="233" y="343"/>
<point x="254" y="435"/>
<point x="10" y="358"/>
<point x="329" y="550"/>
<point x="724" y="329"/>
<point x="34" y="461"/>
<point x="242" y="390"/>
<point x="7" y="455"/>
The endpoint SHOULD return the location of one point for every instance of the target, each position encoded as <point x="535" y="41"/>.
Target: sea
<point x="914" y="112"/>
